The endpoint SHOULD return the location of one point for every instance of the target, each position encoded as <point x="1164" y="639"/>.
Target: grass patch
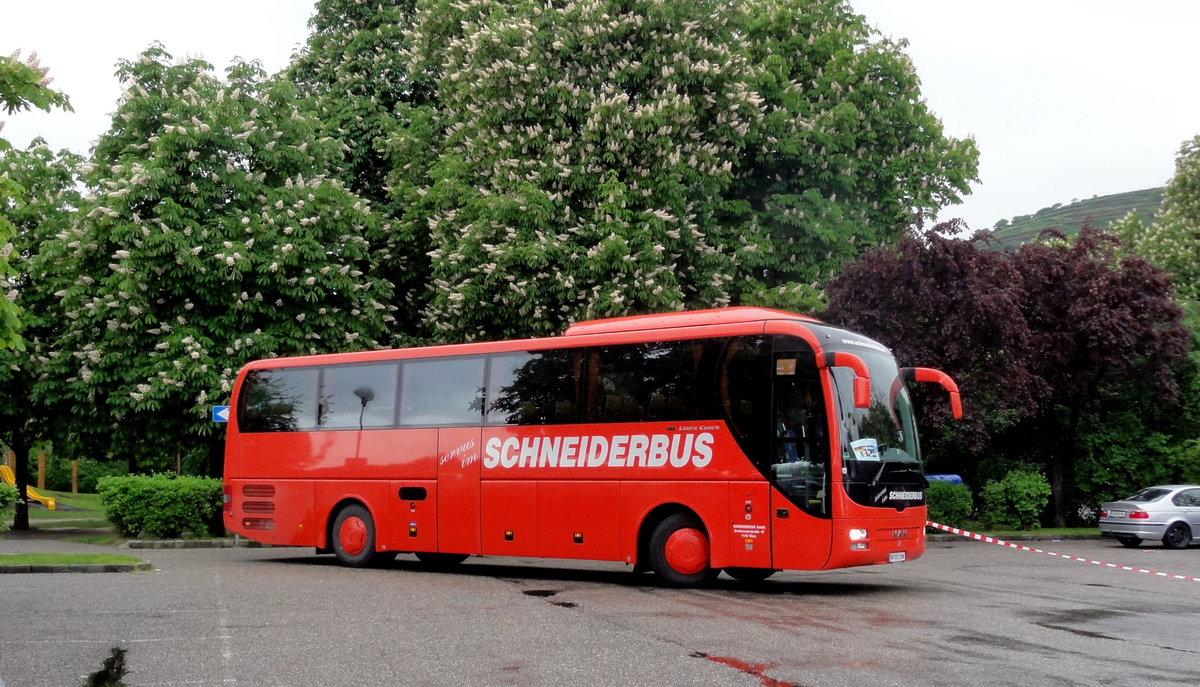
<point x="1045" y="532"/>
<point x="70" y="507"/>
<point x="67" y="559"/>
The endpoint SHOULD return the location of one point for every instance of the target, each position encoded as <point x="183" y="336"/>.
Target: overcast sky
<point x="1066" y="99"/>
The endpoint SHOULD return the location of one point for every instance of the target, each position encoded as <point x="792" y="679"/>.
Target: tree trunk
<point x="1057" y="492"/>
<point x="21" y="471"/>
<point x="1062" y="462"/>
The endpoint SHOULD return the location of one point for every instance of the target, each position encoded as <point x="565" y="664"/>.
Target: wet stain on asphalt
<point x="547" y="593"/>
<point x="755" y="669"/>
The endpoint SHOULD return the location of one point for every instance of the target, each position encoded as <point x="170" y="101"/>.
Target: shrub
<point x="948" y="504"/>
<point x="162" y="506"/>
<point x="8" y="496"/>
<point x="1018" y="499"/>
<point x="91" y="471"/>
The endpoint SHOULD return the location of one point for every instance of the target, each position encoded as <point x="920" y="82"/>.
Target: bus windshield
<point x="881" y="460"/>
<point x="884" y="431"/>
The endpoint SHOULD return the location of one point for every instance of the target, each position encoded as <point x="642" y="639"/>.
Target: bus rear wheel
<point x="353" y="536"/>
<point x="679" y="551"/>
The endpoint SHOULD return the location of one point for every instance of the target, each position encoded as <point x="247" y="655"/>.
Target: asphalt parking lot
<point x="965" y="613"/>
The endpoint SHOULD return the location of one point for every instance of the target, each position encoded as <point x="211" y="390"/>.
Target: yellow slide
<point x="47" y="501"/>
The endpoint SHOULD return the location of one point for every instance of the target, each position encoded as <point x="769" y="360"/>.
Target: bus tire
<point x="440" y="560"/>
<point x="749" y="574"/>
<point x="679" y="551"/>
<point x="353" y="536"/>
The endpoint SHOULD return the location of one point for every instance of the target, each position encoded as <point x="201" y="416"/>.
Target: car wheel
<point x="1178" y="536"/>
<point x="679" y="551"/>
<point x="353" y="536"/>
<point x="1131" y="542"/>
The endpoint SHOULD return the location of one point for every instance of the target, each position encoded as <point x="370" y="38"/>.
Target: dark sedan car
<point x="1170" y="513"/>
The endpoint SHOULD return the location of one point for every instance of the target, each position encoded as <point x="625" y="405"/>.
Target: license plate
<point x="896" y="557"/>
<point x="1116" y="513"/>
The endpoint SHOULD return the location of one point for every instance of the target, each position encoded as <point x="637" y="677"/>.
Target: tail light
<point x="1103" y="513"/>
<point x="227" y="499"/>
<point x="262" y="524"/>
<point x="1139" y="515"/>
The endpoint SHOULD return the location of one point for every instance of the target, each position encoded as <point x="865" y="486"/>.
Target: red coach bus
<point x="741" y="439"/>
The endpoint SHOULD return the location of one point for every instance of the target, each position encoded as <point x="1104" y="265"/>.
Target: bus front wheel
<point x="679" y="551"/>
<point x="353" y="536"/>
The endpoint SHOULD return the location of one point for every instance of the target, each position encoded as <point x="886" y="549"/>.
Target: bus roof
<point x="676" y="320"/>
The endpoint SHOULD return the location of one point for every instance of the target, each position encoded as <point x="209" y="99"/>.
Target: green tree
<point x="847" y="155"/>
<point x="22" y="85"/>
<point x="354" y="69"/>
<point x="214" y="236"/>
<point x="1172" y="240"/>
<point x="34" y="282"/>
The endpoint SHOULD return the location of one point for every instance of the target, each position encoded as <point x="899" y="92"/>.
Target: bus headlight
<point x="858" y="539"/>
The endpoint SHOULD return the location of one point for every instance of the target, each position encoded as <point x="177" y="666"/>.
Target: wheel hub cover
<point x="687" y="551"/>
<point x="353" y="536"/>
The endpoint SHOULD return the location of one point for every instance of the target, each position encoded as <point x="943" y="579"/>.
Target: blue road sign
<point x="220" y="413"/>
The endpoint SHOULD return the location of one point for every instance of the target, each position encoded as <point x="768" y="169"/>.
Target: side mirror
<point x="862" y="376"/>
<point x="862" y="392"/>
<point x="928" y="374"/>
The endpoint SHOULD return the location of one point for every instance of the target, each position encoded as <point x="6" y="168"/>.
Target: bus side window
<point x="744" y="375"/>
<point x="441" y="391"/>
<point x="280" y="400"/>
<point x="354" y="396"/>
<point x="533" y="388"/>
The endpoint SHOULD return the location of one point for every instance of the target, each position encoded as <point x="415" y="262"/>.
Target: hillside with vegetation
<point x="1070" y="218"/>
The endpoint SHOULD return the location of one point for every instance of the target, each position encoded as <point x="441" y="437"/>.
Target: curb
<point x="238" y="543"/>
<point x="110" y="568"/>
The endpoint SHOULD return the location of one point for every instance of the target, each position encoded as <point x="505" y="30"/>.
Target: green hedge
<point x="1018" y="499"/>
<point x="949" y="504"/>
<point x="163" y="506"/>
<point x="8" y="496"/>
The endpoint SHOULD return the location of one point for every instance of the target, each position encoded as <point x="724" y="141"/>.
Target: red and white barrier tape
<point x="1001" y="542"/>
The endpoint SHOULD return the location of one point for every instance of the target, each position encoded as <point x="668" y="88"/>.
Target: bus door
<point x="801" y="526"/>
<point x="459" y="453"/>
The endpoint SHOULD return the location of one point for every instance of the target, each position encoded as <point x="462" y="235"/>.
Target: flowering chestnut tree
<point x="22" y="84"/>
<point x="37" y="215"/>
<point x="580" y="153"/>
<point x="846" y="156"/>
<point x="214" y="236"/>
<point x="354" y="69"/>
